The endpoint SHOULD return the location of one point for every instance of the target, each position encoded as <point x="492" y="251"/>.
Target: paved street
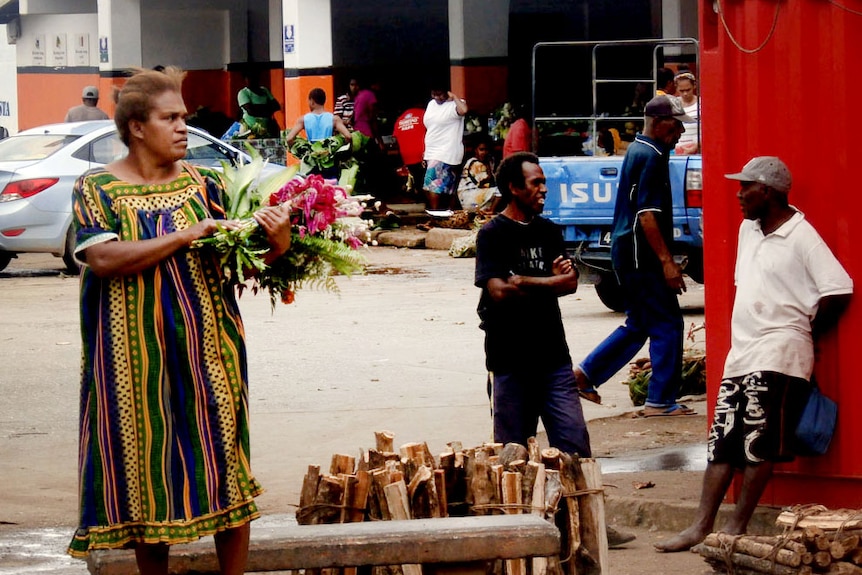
<point x="398" y="349"/>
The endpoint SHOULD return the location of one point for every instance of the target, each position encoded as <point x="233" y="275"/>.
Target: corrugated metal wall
<point x="783" y="77"/>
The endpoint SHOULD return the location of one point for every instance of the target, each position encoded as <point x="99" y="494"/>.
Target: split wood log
<point x="497" y="479"/>
<point x="594" y="534"/>
<point x="377" y="459"/>
<point x="513" y="452"/>
<point x="442" y="495"/>
<point x="399" y="506"/>
<point x="483" y="490"/>
<point x="826" y="519"/>
<point x="358" y="502"/>
<point x="528" y="482"/>
<point x="423" y="494"/>
<point x="779" y="540"/>
<point x="328" y="502"/>
<point x="841" y="546"/>
<point x="384" y="441"/>
<point x="569" y="518"/>
<point x="469" y="473"/>
<point x="342" y="464"/>
<point x="537" y="504"/>
<point x="721" y="567"/>
<point x="349" y="482"/>
<point x="843" y="568"/>
<point x="398" y="500"/>
<point x="855" y="556"/>
<point x="822" y="543"/>
<point x="309" y="486"/>
<point x="452" y="466"/>
<point x="822" y="559"/>
<point x="534" y="450"/>
<point x="553" y="493"/>
<point x="745" y="561"/>
<point x="378" y="507"/>
<point x="512" y="496"/>
<point x="754" y="548"/>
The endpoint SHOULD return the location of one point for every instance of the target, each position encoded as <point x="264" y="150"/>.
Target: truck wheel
<point x="72" y="266"/>
<point x="5" y="258"/>
<point x="610" y="292"/>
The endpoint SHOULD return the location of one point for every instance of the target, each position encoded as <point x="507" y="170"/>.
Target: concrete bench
<point x="453" y="541"/>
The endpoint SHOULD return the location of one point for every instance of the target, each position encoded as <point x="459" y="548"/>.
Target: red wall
<point x="795" y="98"/>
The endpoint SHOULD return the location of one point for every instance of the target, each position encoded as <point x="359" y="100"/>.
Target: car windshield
<point x="33" y="147"/>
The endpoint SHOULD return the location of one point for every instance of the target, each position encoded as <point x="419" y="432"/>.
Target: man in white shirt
<point x="789" y="289"/>
<point x="444" y="147"/>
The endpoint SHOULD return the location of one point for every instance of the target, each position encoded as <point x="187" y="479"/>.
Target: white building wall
<point x="310" y="24"/>
<point x="41" y="35"/>
<point x="8" y="84"/>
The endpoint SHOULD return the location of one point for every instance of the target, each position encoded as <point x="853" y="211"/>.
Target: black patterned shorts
<point x="755" y="418"/>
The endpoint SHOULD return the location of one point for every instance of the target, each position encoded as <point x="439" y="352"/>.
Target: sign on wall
<point x="38" y="50"/>
<point x="81" y="52"/>
<point x="103" y="49"/>
<point x="59" y="54"/>
<point x="289" y="39"/>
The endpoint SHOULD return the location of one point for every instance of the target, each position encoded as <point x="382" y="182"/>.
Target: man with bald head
<point x="785" y="276"/>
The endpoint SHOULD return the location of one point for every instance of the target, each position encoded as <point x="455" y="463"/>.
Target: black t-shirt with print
<point x="522" y="332"/>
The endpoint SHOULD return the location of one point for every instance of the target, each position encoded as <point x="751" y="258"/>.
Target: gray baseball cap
<point x="667" y="107"/>
<point x="91" y="92"/>
<point x="767" y="170"/>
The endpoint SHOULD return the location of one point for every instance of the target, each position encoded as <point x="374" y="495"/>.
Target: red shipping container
<point x="778" y="78"/>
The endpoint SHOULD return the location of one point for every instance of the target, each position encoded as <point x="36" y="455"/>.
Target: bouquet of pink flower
<point x="327" y="232"/>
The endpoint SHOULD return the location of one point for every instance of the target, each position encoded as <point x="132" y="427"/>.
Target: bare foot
<point x="683" y="541"/>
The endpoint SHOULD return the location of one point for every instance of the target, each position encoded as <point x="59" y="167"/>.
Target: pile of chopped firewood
<point x="815" y="540"/>
<point x="490" y="479"/>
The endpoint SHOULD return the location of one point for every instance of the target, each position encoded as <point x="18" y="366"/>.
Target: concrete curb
<point x="409" y="237"/>
<point x="675" y="516"/>
<point x="442" y="238"/>
<point x="406" y="238"/>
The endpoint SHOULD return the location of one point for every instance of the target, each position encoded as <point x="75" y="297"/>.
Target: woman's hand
<point x="275" y="221"/>
<point x="206" y="228"/>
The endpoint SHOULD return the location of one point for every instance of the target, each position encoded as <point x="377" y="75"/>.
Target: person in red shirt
<point x="519" y="138"/>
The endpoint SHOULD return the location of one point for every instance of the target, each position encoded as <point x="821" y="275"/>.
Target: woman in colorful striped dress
<point x="164" y="430"/>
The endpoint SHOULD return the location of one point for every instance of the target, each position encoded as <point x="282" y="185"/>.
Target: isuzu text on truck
<point x="582" y="153"/>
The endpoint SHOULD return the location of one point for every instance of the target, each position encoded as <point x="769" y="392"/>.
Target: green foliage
<point x="693" y="377"/>
<point x="312" y="261"/>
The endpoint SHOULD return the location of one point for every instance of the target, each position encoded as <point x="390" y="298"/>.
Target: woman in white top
<point x="686" y="88"/>
<point x="444" y="148"/>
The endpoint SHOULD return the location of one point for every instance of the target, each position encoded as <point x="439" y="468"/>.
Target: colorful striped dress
<point x="164" y="430"/>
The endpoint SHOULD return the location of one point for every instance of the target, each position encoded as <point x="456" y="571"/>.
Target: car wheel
<point x="72" y="265"/>
<point x="610" y="292"/>
<point x="5" y="258"/>
<point x="694" y="268"/>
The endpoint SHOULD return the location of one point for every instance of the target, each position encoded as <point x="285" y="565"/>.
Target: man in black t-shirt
<point x="522" y="270"/>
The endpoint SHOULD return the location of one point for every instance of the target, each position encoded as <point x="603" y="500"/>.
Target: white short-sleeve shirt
<point x="444" y="133"/>
<point x="780" y="279"/>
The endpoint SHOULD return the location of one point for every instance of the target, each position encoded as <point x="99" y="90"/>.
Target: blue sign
<point x="103" y="49"/>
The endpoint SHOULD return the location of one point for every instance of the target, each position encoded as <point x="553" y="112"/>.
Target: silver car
<point x="39" y="166"/>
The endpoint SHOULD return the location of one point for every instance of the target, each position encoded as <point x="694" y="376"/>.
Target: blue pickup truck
<point x="580" y="140"/>
<point x="581" y="196"/>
